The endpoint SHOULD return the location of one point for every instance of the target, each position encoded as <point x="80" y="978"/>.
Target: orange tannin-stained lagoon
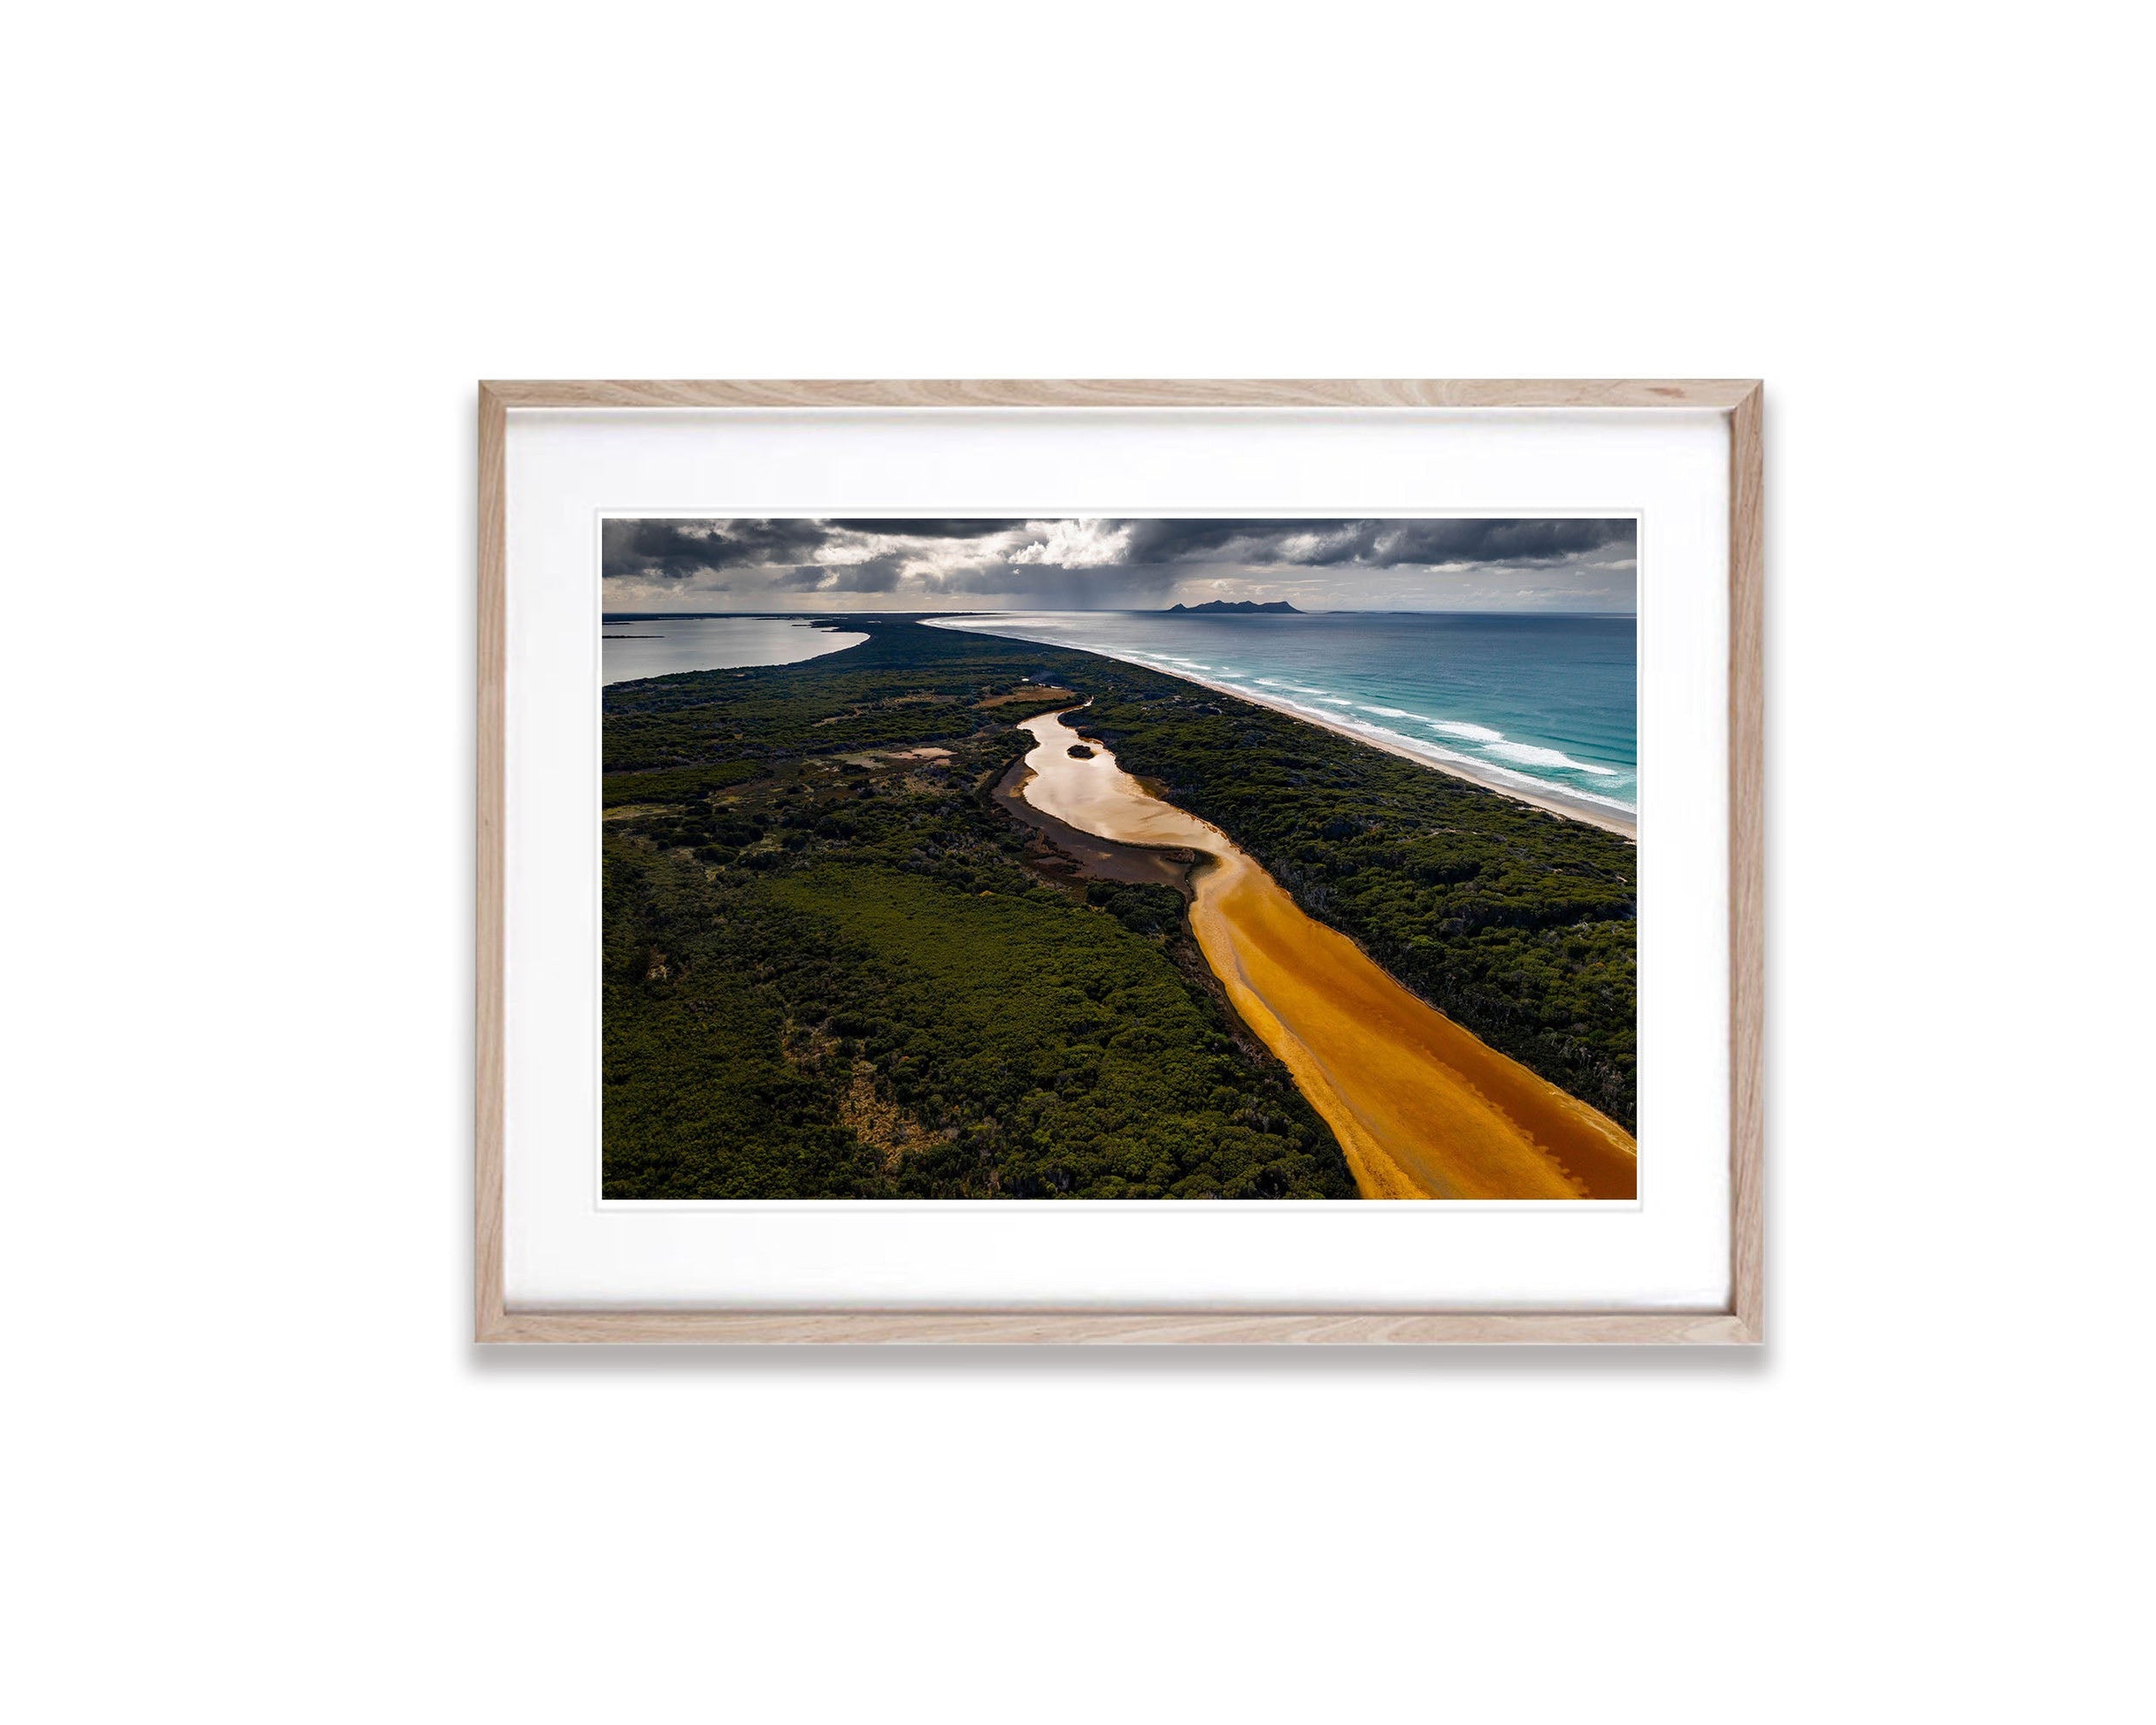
<point x="1421" y="1107"/>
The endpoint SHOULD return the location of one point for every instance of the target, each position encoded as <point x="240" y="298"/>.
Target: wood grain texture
<point x="1747" y="863"/>
<point x="1719" y="395"/>
<point x="491" y="932"/>
<point x="1021" y="1329"/>
<point x="1741" y="1322"/>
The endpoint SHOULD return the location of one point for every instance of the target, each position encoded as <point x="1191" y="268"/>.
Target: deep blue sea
<point x="1538" y="699"/>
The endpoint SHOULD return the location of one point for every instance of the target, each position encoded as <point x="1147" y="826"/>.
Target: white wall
<point x="260" y="1474"/>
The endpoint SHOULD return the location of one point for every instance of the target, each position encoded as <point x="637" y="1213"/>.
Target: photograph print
<point x="1062" y="858"/>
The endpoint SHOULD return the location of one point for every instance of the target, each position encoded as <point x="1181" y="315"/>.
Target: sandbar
<point x="1422" y="1107"/>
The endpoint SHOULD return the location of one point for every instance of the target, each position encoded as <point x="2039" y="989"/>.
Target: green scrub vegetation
<point x="833" y="971"/>
<point x="839" y="978"/>
<point x="1516" y="924"/>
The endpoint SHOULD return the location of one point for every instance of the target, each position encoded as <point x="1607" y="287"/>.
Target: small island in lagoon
<point x="947" y="914"/>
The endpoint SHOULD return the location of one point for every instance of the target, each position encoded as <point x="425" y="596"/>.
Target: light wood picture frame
<point x="1738" y="401"/>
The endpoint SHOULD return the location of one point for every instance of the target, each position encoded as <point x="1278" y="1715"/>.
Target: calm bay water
<point x="1543" y="700"/>
<point x="631" y="647"/>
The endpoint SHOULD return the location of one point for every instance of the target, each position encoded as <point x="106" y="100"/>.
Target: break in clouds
<point x="906" y="563"/>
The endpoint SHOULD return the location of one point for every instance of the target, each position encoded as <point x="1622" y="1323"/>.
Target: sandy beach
<point x="1551" y="801"/>
<point x="1520" y="787"/>
<point x="1547" y="798"/>
<point x="1421" y="1107"/>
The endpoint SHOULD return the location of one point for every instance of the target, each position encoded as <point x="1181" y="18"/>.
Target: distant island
<point x="1276" y="607"/>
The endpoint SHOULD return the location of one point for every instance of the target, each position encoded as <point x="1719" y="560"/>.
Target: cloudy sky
<point x="796" y="564"/>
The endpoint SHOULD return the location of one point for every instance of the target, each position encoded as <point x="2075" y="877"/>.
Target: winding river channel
<point x="1423" y="1108"/>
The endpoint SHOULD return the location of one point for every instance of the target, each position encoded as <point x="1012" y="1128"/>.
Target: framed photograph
<point x="1099" y="861"/>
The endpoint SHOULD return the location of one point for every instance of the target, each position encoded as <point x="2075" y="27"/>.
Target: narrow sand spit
<point x="1422" y="1108"/>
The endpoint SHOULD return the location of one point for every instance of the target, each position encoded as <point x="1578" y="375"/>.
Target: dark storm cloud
<point x="906" y="527"/>
<point x="1499" y="541"/>
<point x="1327" y="545"/>
<point x="677" y="550"/>
<point x="670" y="550"/>
<point x="1052" y="587"/>
<point x="1202" y="541"/>
<point x="876" y="575"/>
<point x="682" y="551"/>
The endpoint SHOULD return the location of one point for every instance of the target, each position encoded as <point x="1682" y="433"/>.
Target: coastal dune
<point x="1421" y="1107"/>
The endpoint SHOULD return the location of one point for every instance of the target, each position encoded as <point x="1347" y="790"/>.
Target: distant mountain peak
<point x="1275" y="606"/>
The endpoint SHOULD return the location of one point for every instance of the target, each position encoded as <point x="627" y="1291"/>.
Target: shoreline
<point x="1548" y="798"/>
<point x="1421" y="1107"/>
<point x="1550" y="801"/>
<point x="1103" y="859"/>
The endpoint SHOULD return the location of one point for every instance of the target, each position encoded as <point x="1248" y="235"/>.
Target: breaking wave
<point x="1531" y="754"/>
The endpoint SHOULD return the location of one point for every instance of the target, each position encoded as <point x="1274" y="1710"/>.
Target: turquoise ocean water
<point x="1537" y="699"/>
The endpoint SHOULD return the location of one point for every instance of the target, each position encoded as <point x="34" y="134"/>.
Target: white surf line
<point x="1585" y="807"/>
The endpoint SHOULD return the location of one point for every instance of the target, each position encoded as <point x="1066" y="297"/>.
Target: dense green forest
<point x="833" y="968"/>
<point x="830" y="972"/>
<point x="1516" y="924"/>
